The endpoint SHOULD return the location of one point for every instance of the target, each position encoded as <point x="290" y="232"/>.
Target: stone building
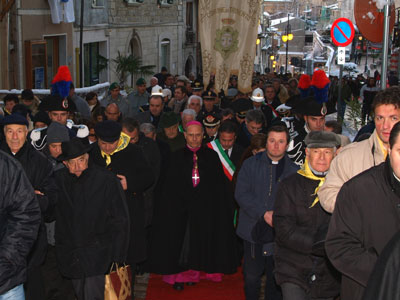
<point x="33" y="44"/>
<point x="160" y="32"/>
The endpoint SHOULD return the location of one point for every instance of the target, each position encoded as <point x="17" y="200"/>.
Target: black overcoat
<point x="92" y="222"/>
<point x="298" y="227"/>
<point x="131" y="163"/>
<point x="193" y="226"/>
<point x="366" y="217"/>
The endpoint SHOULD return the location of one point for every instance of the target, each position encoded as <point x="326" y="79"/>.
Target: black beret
<point x="322" y="139"/>
<point x="242" y="105"/>
<point x="108" y="131"/>
<point x="15" y="119"/>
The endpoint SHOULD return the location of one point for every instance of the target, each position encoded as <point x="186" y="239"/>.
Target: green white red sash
<point x="227" y="164"/>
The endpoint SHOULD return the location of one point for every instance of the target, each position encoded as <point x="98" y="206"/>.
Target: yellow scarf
<point x="306" y="172"/>
<point x="383" y="148"/>
<point x="122" y="144"/>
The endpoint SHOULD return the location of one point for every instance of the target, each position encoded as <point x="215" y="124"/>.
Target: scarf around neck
<point x="123" y="142"/>
<point x="306" y="172"/>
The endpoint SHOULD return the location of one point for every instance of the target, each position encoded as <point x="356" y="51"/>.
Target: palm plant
<point x="130" y="65"/>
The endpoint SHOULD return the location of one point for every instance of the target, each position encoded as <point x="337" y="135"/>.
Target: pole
<point x="385" y="47"/>
<point x="366" y="59"/>
<point x="287" y="43"/>
<point x="339" y="100"/>
<point x="81" y="45"/>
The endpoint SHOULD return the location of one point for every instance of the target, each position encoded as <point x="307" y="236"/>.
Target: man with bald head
<point x="193" y="222"/>
<point x="112" y="112"/>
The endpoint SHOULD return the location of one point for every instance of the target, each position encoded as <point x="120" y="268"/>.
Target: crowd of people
<point x="189" y="182"/>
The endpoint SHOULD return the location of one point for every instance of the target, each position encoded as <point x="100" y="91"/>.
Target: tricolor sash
<point x="227" y="164"/>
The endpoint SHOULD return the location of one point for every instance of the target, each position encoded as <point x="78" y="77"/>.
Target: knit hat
<point x="43" y="117"/>
<point x="322" y="139"/>
<point x="57" y="133"/>
<point x="108" y="131"/>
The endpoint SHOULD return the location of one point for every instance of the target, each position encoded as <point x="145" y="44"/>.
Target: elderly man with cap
<point x="156" y="108"/>
<point x="302" y="268"/>
<point x="209" y="98"/>
<point x="92" y="219"/>
<point x="117" y="98"/>
<point x="193" y="226"/>
<point x="211" y="124"/>
<point x="127" y="161"/>
<point x="39" y="171"/>
<point x="139" y="97"/>
<point x="314" y="117"/>
<point x="153" y="82"/>
<point x="169" y="126"/>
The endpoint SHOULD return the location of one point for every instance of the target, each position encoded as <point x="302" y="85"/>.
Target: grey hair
<point x="256" y="116"/>
<point x="195" y="97"/>
<point x="147" y="128"/>
<point x="152" y="78"/>
<point x="189" y="112"/>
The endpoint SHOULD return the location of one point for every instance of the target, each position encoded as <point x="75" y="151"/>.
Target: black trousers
<point x="89" y="288"/>
<point x="255" y="264"/>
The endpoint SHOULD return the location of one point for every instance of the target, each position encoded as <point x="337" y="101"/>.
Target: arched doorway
<point x="135" y="49"/>
<point x="189" y="66"/>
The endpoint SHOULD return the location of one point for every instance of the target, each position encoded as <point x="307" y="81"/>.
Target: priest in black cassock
<point x="193" y="235"/>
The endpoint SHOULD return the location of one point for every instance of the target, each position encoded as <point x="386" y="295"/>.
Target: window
<point x="165" y="53"/>
<point x="98" y="3"/>
<point x="91" y="64"/>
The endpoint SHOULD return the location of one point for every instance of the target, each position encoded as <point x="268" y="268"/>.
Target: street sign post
<point x="342" y="34"/>
<point x="341" y="55"/>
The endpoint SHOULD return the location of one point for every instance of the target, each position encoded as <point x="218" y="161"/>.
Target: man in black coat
<point x="40" y="174"/>
<point x="301" y="267"/>
<point x="254" y="123"/>
<point x="19" y="226"/>
<point x="127" y="161"/>
<point x="92" y="229"/>
<point x="193" y="219"/>
<point x="152" y="154"/>
<point x="365" y="218"/>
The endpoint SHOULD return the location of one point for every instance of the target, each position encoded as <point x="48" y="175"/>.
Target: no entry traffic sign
<point x="342" y="32"/>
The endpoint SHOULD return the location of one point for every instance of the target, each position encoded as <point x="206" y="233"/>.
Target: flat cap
<point x="322" y="139"/>
<point x="15" y="118"/>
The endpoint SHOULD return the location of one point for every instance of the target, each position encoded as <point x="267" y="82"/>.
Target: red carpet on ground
<point x="231" y="288"/>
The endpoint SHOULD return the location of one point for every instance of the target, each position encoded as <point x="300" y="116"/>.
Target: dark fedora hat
<point x="168" y="119"/>
<point x="73" y="148"/>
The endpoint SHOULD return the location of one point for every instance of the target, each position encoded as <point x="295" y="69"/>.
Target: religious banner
<point x="228" y="35"/>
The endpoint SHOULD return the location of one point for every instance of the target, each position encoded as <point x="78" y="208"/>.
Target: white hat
<point x="257" y="95"/>
<point x="156" y="91"/>
<point x="166" y="92"/>
<point x="283" y="108"/>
